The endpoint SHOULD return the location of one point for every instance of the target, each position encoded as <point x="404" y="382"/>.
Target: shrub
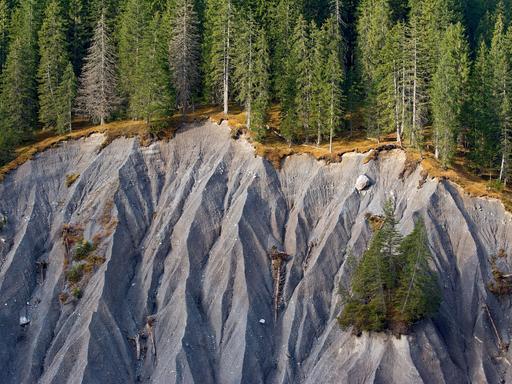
<point x="74" y="275"/>
<point x="76" y="292"/>
<point x="82" y="250"/>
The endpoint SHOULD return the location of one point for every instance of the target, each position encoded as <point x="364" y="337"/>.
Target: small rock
<point x="363" y="182"/>
<point x="262" y="321"/>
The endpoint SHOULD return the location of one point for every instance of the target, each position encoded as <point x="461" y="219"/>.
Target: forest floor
<point x="274" y="148"/>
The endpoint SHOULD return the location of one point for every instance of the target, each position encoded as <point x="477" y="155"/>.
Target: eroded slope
<point x="185" y="228"/>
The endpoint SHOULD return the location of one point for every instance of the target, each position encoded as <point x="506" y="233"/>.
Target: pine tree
<point x="484" y="135"/>
<point x="4" y="29"/>
<point x="251" y="77"/>
<point x="53" y="62"/>
<point x="133" y="22"/>
<point x="18" y="97"/>
<point x="369" y="305"/>
<point x="499" y="56"/>
<point x="65" y="97"/>
<point x="302" y="74"/>
<point x="373" y="26"/>
<point x="151" y="97"/>
<point x="449" y="92"/>
<point x="427" y="22"/>
<point x="184" y="53"/>
<point x="334" y="76"/>
<point x="97" y="96"/>
<point x="217" y="50"/>
<point x="261" y="87"/>
<point x="418" y="294"/>
<point x="79" y="32"/>
<point x="284" y="15"/>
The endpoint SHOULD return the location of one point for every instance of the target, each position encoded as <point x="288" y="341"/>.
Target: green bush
<point x="75" y="274"/>
<point x="82" y="250"/>
<point x="77" y="293"/>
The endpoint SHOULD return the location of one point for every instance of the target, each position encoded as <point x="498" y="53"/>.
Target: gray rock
<point x="187" y="276"/>
<point x="363" y="182"/>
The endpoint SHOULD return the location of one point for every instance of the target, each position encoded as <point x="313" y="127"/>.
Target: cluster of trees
<point x="392" y="287"/>
<point x="439" y="71"/>
<point x="436" y="72"/>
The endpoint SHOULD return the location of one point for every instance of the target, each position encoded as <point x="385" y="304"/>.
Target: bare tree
<point x="97" y="96"/>
<point x="184" y="53"/>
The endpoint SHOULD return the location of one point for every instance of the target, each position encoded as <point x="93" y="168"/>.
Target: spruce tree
<point x="18" y="97"/>
<point x="261" y="87"/>
<point x="97" y="94"/>
<point x="449" y="91"/>
<point x="133" y="22"/>
<point x="218" y="50"/>
<point x="251" y="77"/>
<point x="418" y="294"/>
<point x="334" y="76"/>
<point x="184" y="47"/>
<point x="499" y="56"/>
<point x="53" y="62"/>
<point x="4" y="32"/>
<point x="65" y="98"/>
<point x="151" y="97"/>
<point x="302" y="75"/>
<point x="79" y="32"/>
<point x="484" y="134"/>
<point x="373" y="27"/>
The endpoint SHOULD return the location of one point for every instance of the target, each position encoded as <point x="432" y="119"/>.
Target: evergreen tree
<point x="501" y="81"/>
<point x="484" y="134"/>
<point x="334" y="76"/>
<point x="133" y="22"/>
<point x="151" y="97"/>
<point x="217" y="50"/>
<point x="302" y="75"/>
<point x="65" y="96"/>
<point x="369" y="304"/>
<point x="97" y="95"/>
<point x="392" y="286"/>
<point x="18" y="97"/>
<point x="4" y="29"/>
<point x="184" y="52"/>
<point x="261" y="87"/>
<point x="79" y="32"/>
<point x="251" y="78"/>
<point x="284" y="15"/>
<point x="373" y="27"/>
<point x="53" y="62"/>
<point x="449" y="92"/>
<point x="418" y="294"/>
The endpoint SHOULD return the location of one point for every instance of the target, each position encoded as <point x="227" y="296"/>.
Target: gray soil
<point x="185" y="227"/>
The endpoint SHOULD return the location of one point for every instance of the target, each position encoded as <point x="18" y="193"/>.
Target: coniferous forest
<point x="435" y="73"/>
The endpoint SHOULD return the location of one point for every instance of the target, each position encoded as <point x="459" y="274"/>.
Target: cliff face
<point x="187" y="290"/>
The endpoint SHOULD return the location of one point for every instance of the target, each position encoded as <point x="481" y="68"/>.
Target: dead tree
<point x="97" y="97"/>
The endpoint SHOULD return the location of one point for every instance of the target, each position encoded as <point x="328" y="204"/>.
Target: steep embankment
<point x="185" y="227"/>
